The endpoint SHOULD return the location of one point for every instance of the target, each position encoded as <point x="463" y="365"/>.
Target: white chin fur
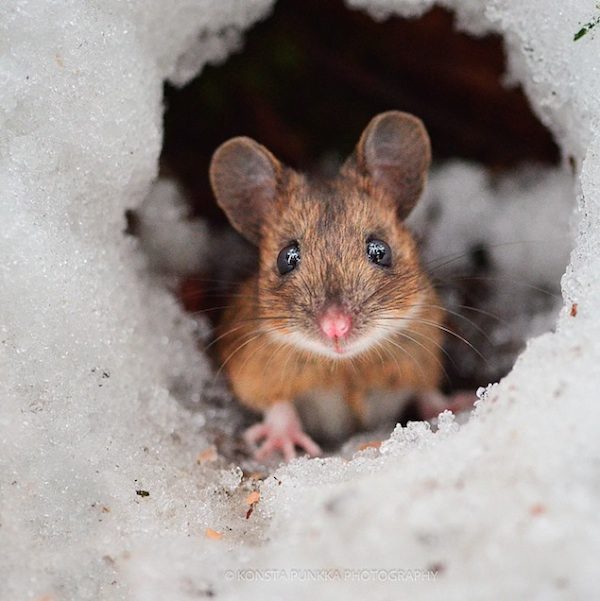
<point x="377" y="334"/>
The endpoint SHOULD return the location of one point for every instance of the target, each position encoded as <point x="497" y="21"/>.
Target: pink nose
<point x="335" y="323"/>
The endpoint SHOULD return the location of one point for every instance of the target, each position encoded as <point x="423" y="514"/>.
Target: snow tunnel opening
<point x="305" y="89"/>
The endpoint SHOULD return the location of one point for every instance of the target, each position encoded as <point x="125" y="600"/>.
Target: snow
<point x="521" y="223"/>
<point x="104" y="392"/>
<point x="172" y="241"/>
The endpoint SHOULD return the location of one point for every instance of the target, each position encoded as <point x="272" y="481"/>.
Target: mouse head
<point x="339" y="271"/>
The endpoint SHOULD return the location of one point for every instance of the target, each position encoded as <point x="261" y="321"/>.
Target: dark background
<point x="307" y="82"/>
<point x="312" y="75"/>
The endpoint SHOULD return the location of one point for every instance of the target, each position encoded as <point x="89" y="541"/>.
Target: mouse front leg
<point x="281" y="431"/>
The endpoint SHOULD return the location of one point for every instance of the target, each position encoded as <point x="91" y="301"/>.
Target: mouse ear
<point x="394" y="152"/>
<point x="244" y="177"/>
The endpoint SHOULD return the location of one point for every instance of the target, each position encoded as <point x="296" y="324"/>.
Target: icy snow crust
<point x="95" y="355"/>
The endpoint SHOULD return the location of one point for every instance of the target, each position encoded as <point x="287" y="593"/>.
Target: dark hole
<point x="480" y="258"/>
<point x="131" y="223"/>
<point x="312" y="75"/>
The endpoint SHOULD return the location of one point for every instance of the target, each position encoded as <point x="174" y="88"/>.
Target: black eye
<point x="379" y="253"/>
<point x="288" y="258"/>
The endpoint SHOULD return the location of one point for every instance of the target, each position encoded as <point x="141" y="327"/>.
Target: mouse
<point x="339" y="326"/>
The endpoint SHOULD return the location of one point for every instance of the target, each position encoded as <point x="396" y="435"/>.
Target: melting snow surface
<point x="103" y="391"/>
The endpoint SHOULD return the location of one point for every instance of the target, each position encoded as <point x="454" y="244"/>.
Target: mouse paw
<point x="281" y="431"/>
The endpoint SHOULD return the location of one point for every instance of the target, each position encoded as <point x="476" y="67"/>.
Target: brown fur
<point x="262" y="370"/>
<point x="331" y="220"/>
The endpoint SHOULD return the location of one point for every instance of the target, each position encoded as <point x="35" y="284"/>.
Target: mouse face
<point x="339" y="272"/>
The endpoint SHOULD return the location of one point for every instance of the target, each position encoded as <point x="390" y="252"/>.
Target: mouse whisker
<point x="216" y="293"/>
<point x="406" y="335"/>
<point x="290" y="354"/>
<point x="227" y="333"/>
<point x="285" y="318"/>
<point x="457" y="314"/>
<point x="474" y="309"/>
<point x="238" y="348"/>
<point x="452" y="257"/>
<point x="376" y="349"/>
<point x="444" y="329"/>
<point x="265" y="343"/>
<point x="399" y="346"/>
<point x="209" y="309"/>
<point x="353" y="365"/>
<point x="385" y="348"/>
<point x="482" y="312"/>
<point x="434" y="342"/>
<point x="274" y="352"/>
<point x="513" y="280"/>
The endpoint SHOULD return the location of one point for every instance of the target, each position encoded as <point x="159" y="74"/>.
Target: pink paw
<point x="281" y="431"/>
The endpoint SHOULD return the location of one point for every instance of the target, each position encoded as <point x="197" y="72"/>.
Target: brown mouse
<point x="340" y="322"/>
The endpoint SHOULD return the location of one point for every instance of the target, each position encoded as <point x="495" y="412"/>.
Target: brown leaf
<point x="208" y="455"/>
<point x="372" y="444"/>
<point x="253" y="498"/>
<point x="213" y="534"/>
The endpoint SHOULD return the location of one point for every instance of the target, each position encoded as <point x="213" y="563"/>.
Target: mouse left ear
<point x="244" y="177"/>
<point x="394" y="152"/>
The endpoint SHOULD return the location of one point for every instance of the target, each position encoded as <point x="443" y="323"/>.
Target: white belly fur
<point x="326" y="415"/>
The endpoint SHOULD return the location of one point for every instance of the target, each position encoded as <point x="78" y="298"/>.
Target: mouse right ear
<point x="394" y="152"/>
<point x="244" y="177"/>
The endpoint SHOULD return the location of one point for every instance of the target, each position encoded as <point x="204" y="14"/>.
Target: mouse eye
<point x="379" y="253"/>
<point x="288" y="258"/>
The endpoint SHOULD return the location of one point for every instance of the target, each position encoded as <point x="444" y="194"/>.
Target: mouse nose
<point x="335" y="323"/>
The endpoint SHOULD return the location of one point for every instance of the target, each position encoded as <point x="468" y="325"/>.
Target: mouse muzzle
<point x="336" y="325"/>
